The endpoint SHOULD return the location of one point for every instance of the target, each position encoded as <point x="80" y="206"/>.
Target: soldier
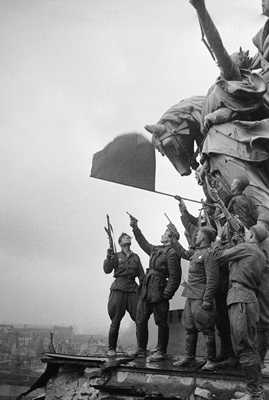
<point x="160" y="283"/>
<point x="123" y="297"/>
<point x="247" y="263"/>
<point x="199" y="312"/>
<point x="263" y="328"/>
<point x="191" y="223"/>
<point x="226" y="357"/>
<point x="239" y="204"/>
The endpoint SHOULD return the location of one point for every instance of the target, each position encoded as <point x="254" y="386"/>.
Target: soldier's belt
<point x="237" y="284"/>
<point x="157" y="273"/>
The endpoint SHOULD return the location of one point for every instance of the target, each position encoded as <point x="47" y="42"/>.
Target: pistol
<point x="132" y="217"/>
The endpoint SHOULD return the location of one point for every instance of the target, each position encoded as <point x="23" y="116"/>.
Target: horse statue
<point x="228" y="128"/>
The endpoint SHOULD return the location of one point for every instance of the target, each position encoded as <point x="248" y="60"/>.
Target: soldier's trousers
<point x="244" y="318"/>
<point x="263" y="327"/>
<point x="118" y="303"/>
<point x="160" y="312"/>
<point x="195" y="319"/>
<point x="223" y="324"/>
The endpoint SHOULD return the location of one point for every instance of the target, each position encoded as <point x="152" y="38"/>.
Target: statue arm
<point x="229" y="69"/>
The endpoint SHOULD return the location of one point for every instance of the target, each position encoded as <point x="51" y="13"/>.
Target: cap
<point x="209" y="232"/>
<point x="263" y="217"/>
<point x="173" y="229"/>
<point x="261" y="232"/>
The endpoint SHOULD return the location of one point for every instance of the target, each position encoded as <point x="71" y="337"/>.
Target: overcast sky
<point x="75" y="74"/>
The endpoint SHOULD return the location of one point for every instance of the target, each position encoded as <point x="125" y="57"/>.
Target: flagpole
<point x="148" y="190"/>
<point x="171" y="195"/>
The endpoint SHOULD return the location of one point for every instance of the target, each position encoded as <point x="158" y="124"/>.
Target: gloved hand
<point x="206" y="305"/>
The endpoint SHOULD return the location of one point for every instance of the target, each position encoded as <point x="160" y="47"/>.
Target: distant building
<point x="6" y="329"/>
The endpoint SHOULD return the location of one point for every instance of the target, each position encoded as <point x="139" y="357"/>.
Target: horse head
<point x="177" y="141"/>
<point x="177" y="132"/>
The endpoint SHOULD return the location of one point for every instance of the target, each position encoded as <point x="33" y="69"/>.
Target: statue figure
<point x="261" y="58"/>
<point x="229" y="125"/>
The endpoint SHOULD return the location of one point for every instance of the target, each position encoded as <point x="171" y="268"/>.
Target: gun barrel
<point x="168" y="218"/>
<point x="131" y="216"/>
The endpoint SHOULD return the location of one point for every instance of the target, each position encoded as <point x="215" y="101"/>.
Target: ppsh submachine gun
<point x="110" y="234"/>
<point x="236" y="230"/>
<point x="233" y="221"/>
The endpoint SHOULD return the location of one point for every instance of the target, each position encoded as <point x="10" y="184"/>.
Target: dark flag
<point x="128" y="160"/>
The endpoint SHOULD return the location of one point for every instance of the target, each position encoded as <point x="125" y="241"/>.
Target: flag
<point x="128" y="160"/>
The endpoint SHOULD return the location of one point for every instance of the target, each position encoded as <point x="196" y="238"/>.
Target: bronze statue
<point x="230" y="125"/>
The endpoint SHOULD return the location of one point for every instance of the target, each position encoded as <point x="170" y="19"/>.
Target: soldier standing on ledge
<point x="123" y="296"/>
<point x="199" y="313"/>
<point x="263" y="298"/>
<point x="247" y="263"/>
<point x="159" y="285"/>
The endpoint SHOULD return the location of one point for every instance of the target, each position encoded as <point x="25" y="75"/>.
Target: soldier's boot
<point x="190" y="351"/>
<point x="231" y="362"/>
<point x="254" y="385"/>
<point x="112" y="340"/>
<point x="163" y="338"/>
<point x="261" y="379"/>
<point x="225" y="348"/>
<point x="210" y="343"/>
<point x="142" y="335"/>
<point x="262" y="346"/>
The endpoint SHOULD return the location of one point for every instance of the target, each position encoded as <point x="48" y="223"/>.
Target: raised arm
<point x="110" y="262"/>
<point x="174" y="277"/>
<point x="229" y="69"/>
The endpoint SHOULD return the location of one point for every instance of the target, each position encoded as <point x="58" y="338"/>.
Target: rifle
<point x="205" y="213"/>
<point x="233" y="222"/>
<point x="169" y="219"/>
<point x="109" y="231"/>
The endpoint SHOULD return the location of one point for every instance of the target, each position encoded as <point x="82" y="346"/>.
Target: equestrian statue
<point x="224" y="134"/>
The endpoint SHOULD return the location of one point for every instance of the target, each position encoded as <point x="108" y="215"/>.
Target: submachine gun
<point x="235" y="226"/>
<point x="207" y="219"/>
<point x="109" y="231"/>
<point x="233" y="221"/>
